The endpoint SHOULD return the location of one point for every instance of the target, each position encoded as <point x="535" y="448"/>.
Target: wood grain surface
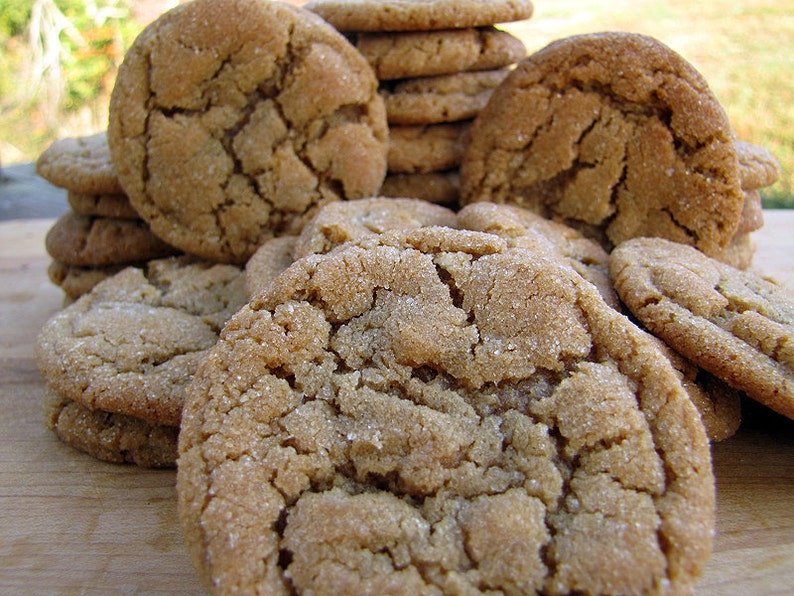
<point x="72" y="525"/>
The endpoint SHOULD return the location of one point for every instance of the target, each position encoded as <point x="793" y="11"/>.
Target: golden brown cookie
<point x="102" y="205"/>
<point x="758" y="168"/>
<point x="525" y="229"/>
<point x="427" y="148"/>
<point x="232" y="120"/>
<point x="132" y="344"/>
<point x="418" y="15"/>
<point x="403" y="415"/>
<point x="733" y="323"/>
<point x="612" y="131"/>
<point x="82" y="164"/>
<point x="100" y="241"/>
<point x="76" y="281"/>
<point x="425" y="53"/>
<point x="445" y="98"/>
<point x="752" y="213"/>
<point x="114" y="438"/>
<point x="267" y="262"/>
<point x="442" y="188"/>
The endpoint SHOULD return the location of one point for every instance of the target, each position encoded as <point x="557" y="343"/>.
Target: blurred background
<point x="59" y="60"/>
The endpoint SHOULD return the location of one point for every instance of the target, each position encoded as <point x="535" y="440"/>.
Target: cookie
<point x="114" y="438"/>
<point x="100" y="241"/>
<point x="427" y="148"/>
<point x="81" y="163"/>
<point x="752" y="218"/>
<point x="102" y="205"/>
<point x="732" y="323"/>
<point x="232" y="120"/>
<point x="446" y="98"/>
<point x="76" y="281"/>
<point x="418" y="15"/>
<point x="425" y="53"/>
<point x="525" y="229"/>
<point x="403" y="415"/>
<point x="738" y="253"/>
<point x="442" y="188"/>
<point x="132" y="344"/>
<point x="758" y="168"/>
<point x="613" y="131"/>
<point x="268" y="262"/>
<point x="339" y="223"/>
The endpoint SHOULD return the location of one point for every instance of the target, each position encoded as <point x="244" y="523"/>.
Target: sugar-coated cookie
<point x="426" y="53"/>
<point x="403" y="414"/>
<point x="232" y="120"/>
<point x="82" y="164"/>
<point x="114" y="438"/>
<point x="427" y="148"/>
<point x="758" y="167"/>
<point x="101" y="205"/>
<point x="268" y="262"/>
<point x="733" y="323"/>
<point x="418" y="15"/>
<point x="612" y="131"/>
<point x="132" y="344"/>
<point x="76" y="281"/>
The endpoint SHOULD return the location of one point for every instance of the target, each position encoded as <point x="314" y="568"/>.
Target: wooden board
<point x="72" y="525"/>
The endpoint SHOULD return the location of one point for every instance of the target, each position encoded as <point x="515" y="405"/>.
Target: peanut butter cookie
<point x="427" y="148"/>
<point x="232" y="120"/>
<point x="102" y="205"/>
<point x="758" y="168"/>
<point x="442" y="188"/>
<point x="403" y="415"/>
<point x="82" y="164"/>
<point x="612" y="131"/>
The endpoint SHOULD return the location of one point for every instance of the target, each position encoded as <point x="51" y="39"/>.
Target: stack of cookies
<point x="437" y="64"/>
<point x="101" y="233"/>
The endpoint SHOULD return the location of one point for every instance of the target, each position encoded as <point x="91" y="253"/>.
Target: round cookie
<point x="131" y="345"/>
<point x="425" y="53"/>
<point x="758" y="168"/>
<point x="76" y="281"/>
<point x="402" y="415"/>
<point x="100" y="241"/>
<point x="733" y="323"/>
<point x="82" y="164"/>
<point x="114" y="438"/>
<point x="445" y="98"/>
<point x="442" y="188"/>
<point x="232" y="120"/>
<point x="101" y="205"/>
<point x="418" y="15"/>
<point x="613" y="131"/>
<point x="268" y="262"/>
<point x="427" y="148"/>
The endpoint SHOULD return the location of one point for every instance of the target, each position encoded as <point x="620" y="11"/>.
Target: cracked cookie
<point x="427" y="148"/>
<point x="403" y="415"/>
<point x="611" y="132"/>
<point x="131" y="345"/>
<point x="758" y="168"/>
<point x="732" y="323"/>
<point x="396" y="55"/>
<point x="232" y="120"/>
<point x="82" y="164"/>
<point x="418" y="15"/>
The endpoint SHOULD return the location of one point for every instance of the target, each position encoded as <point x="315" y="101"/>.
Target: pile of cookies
<point x="378" y="394"/>
<point x="101" y="233"/>
<point x="437" y="69"/>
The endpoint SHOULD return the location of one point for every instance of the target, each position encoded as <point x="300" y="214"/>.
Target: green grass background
<point x="745" y="50"/>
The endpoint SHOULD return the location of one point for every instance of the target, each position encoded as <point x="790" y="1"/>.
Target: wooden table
<point x="72" y="525"/>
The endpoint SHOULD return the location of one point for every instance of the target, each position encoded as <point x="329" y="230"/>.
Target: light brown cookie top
<point x="427" y="148"/>
<point x="441" y="188"/>
<point x="132" y="344"/>
<point x="418" y="15"/>
<point x="114" y="438"/>
<point x="732" y="323"/>
<point x="102" y="205"/>
<point x="614" y="131"/>
<point x="525" y="229"/>
<point x="425" y="53"/>
<point x="82" y="164"/>
<point x="232" y="120"/>
<point x="339" y="223"/>
<point x="403" y="415"/>
<point x="758" y="167"/>
<point x="100" y="241"/>
<point x="268" y="262"/>
<point x="445" y="98"/>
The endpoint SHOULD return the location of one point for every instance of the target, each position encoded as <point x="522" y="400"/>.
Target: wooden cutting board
<point x="72" y="525"/>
